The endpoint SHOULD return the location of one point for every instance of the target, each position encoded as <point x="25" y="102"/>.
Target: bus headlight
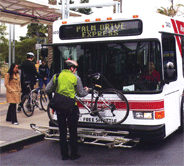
<point x="142" y="115"/>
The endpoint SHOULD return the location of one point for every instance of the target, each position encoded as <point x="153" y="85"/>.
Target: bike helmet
<point x="71" y="63"/>
<point x="30" y="55"/>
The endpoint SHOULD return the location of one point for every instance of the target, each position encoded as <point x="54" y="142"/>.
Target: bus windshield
<point x="133" y="66"/>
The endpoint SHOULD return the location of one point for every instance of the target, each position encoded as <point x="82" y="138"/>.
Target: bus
<point x="141" y="56"/>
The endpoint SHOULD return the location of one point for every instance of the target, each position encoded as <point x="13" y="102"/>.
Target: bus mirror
<point x="169" y="75"/>
<point x="44" y="52"/>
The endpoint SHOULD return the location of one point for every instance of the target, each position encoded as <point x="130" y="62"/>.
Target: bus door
<point x="171" y="89"/>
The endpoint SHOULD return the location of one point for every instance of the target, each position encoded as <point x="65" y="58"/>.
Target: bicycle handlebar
<point x="95" y="76"/>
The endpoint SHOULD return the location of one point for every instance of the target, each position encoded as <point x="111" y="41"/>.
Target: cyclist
<point x="68" y="85"/>
<point x="44" y="71"/>
<point x="28" y="73"/>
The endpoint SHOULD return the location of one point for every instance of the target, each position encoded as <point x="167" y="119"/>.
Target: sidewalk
<point x="16" y="136"/>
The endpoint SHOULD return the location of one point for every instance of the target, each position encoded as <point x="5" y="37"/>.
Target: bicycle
<point x="30" y="101"/>
<point x="110" y="105"/>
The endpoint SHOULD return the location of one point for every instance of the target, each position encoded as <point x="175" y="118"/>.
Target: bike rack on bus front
<point x="92" y="136"/>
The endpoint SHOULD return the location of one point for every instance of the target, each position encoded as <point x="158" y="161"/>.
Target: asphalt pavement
<point x="15" y="137"/>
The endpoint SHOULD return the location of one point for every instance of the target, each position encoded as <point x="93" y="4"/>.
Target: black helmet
<point x="30" y="55"/>
<point x="71" y="63"/>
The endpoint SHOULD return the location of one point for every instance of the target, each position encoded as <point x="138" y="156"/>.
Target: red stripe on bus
<point x="133" y="105"/>
<point x="146" y="105"/>
<point x="180" y="26"/>
<point x="175" y="26"/>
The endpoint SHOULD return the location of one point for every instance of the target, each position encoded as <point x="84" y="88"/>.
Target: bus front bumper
<point x="146" y="132"/>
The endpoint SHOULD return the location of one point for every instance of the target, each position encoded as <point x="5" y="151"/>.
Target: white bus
<point x="142" y="56"/>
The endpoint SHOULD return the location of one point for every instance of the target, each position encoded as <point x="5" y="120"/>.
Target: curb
<point x="19" y="145"/>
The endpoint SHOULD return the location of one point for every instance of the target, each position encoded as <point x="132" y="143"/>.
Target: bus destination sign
<point x="102" y="29"/>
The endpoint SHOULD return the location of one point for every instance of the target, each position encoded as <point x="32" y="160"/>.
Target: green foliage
<point x="22" y="47"/>
<point x="86" y="11"/>
<point x="3" y="29"/>
<point x="34" y="30"/>
<point x="4" y="50"/>
<point x="71" y="2"/>
<point x="2" y="32"/>
<point x="171" y="11"/>
<point x="26" y="44"/>
<point x="3" y="43"/>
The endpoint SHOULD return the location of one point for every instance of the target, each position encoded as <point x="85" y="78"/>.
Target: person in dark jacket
<point x="44" y="71"/>
<point x="28" y="74"/>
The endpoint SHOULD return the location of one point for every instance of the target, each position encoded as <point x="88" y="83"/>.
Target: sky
<point x="134" y="6"/>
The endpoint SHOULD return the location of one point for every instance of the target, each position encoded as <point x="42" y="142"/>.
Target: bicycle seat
<point x="95" y="76"/>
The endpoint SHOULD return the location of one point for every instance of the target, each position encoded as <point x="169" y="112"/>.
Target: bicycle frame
<point x="80" y="101"/>
<point x="93" y="108"/>
<point x="95" y="76"/>
<point x="31" y="95"/>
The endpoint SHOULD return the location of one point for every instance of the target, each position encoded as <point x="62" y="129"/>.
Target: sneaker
<point x="15" y="123"/>
<point x="75" y="157"/>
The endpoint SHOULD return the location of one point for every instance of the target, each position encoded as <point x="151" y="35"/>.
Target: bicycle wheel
<point x="52" y="116"/>
<point x="112" y="106"/>
<point x="44" y="100"/>
<point x="28" y="107"/>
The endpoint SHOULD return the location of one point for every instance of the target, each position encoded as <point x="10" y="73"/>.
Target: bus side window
<point x="169" y="58"/>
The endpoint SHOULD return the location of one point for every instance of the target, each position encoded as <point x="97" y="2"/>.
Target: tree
<point x="22" y="47"/>
<point x="3" y="43"/>
<point x="2" y="32"/>
<point x="4" y="50"/>
<point x="35" y="30"/>
<point x="85" y="10"/>
<point x="171" y="11"/>
<point x="82" y="10"/>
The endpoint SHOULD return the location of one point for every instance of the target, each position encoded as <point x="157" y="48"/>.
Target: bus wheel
<point x="181" y="128"/>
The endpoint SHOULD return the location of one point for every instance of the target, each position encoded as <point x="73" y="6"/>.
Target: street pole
<point x="9" y="62"/>
<point x="13" y="50"/>
<point x="67" y="9"/>
<point x="37" y="53"/>
<point x="63" y="8"/>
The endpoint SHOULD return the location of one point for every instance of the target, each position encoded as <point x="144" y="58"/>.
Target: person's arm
<point x="50" y="86"/>
<point x="36" y="73"/>
<point x="7" y="83"/>
<point x="48" y="72"/>
<point x="80" y="89"/>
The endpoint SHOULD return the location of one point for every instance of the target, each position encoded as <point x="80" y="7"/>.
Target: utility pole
<point x="11" y="58"/>
<point x="65" y="9"/>
<point x="13" y="47"/>
<point x="9" y="61"/>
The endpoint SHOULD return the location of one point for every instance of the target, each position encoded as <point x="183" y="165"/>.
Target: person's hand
<point x="45" y="78"/>
<point x="86" y="88"/>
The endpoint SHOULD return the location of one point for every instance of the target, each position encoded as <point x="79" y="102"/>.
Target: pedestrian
<point x="44" y="71"/>
<point x="13" y="92"/>
<point x="68" y="85"/>
<point x="28" y="74"/>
